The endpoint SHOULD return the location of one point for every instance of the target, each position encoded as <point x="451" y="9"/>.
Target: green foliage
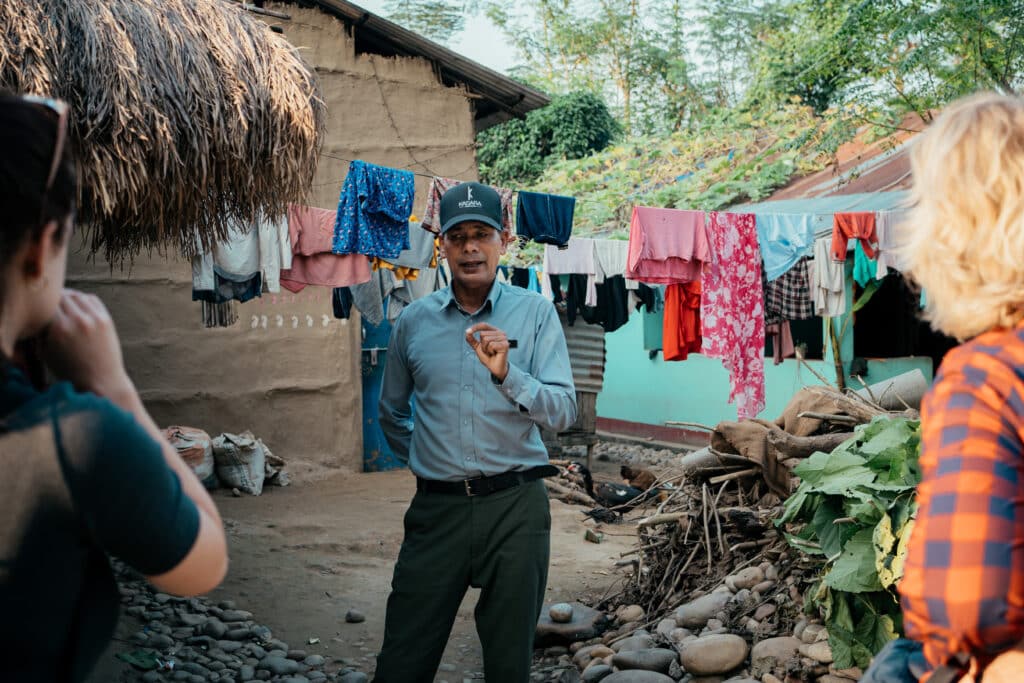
<point x="438" y="20"/>
<point x="726" y="158"/>
<point x="854" y="508"/>
<point x="571" y="127"/>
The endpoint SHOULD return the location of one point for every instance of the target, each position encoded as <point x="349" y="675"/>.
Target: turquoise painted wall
<point x="653" y="391"/>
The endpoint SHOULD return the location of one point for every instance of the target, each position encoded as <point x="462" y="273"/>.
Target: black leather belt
<point x="483" y="486"/>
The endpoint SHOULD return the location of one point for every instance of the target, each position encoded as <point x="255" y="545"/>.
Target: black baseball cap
<point x="470" y="202"/>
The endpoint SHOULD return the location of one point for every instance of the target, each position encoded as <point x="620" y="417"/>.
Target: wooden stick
<point x="270" y="13"/>
<point x="821" y="378"/>
<point x="830" y="417"/>
<point x="664" y="518"/>
<point x="695" y="425"/>
<point x="734" y="475"/>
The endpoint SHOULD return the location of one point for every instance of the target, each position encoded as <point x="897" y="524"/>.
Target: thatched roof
<point x="187" y="114"/>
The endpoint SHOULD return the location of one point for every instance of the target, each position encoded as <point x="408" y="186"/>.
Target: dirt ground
<point x="302" y="556"/>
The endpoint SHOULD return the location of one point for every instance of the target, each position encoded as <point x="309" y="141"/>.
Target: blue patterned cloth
<point x="373" y="211"/>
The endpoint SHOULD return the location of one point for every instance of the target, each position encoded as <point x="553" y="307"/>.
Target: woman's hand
<point x="82" y="347"/>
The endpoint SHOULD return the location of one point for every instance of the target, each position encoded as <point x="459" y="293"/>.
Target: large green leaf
<point x="833" y="472"/>
<point x="831" y="536"/>
<point x="854" y="571"/>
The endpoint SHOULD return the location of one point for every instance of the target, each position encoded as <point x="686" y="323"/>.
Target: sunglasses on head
<point x="60" y="108"/>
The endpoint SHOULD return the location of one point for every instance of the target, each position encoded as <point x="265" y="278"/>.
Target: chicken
<point x="638" y="477"/>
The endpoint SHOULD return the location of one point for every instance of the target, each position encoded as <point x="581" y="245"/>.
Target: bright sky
<point x="482" y="41"/>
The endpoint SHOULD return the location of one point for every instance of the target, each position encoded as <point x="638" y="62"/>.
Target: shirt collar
<point x="491" y="302"/>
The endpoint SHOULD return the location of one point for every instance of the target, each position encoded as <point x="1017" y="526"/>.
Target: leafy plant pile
<point x="855" y="509"/>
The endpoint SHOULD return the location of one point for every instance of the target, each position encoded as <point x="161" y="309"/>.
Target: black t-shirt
<point x="79" y="479"/>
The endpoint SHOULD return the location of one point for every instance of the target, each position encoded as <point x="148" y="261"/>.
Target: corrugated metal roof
<point x="861" y="166"/>
<point x="501" y="97"/>
<point x="586" y="354"/>
<point x="822" y="208"/>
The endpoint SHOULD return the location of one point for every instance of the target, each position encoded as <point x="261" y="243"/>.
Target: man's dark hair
<point x="28" y="136"/>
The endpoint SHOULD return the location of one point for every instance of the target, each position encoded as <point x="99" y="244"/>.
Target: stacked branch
<point x="721" y="517"/>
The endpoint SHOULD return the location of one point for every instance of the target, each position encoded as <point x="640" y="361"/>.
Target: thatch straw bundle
<point x="187" y="114"/>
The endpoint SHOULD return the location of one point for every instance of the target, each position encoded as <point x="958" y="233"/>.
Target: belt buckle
<point x="469" y="488"/>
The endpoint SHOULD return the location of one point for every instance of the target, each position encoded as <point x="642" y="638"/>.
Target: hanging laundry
<point x="238" y="268"/>
<point x="311" y="233"/>
<point x="865" y="269"/>
<point x="385" y="296"/>
<point x="400" y="272"/>
<point x="828" y="282"/>
<point x="887" y="230"/>
<point x="732" y="308"/>
<point x="520" y="277"/>
<point x="859" y="225"/>
<point x="781" y="336"/>
<point x="441" y="185"/>
<point x="681" y="334"/>
<point x="666" y="246"/>
<point x="650" y="298"/>
<point x="613" y="303"/>
<point x="545" y="218"/>
<point x="579" y="259"/>
<point x="373" y="211"/>
<point x="341" y="302"/>
<point x="576" y="300"/>
<point x="789" y="295"/>
<point x="784" y="240"/>
<point x="420" y="254"/>
<point x="612" y="256"/>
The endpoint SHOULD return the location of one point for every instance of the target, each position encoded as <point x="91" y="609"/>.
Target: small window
<point x="808" y="337"/>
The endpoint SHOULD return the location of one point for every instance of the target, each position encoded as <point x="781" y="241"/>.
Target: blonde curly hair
<point x="963" y="240"/>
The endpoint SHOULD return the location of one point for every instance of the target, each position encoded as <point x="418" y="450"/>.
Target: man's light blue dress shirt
<point x="467" y="426"/>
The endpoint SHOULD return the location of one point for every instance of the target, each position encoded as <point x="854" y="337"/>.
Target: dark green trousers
<point x="499" y="543"/>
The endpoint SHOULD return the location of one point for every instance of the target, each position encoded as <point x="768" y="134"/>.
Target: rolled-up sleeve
<point x="546" y="394"/>
<point x="395" y="394"/>
<point x="963" y="585"/>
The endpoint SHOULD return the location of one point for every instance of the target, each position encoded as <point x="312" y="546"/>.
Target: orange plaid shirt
<point x="963" y="584"/>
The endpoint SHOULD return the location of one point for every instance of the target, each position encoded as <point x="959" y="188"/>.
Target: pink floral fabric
<point x="732" y="308"/>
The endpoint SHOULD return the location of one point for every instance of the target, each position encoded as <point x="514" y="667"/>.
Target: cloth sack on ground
<point x="240" y="462"/>
<point x="196" y="448"/>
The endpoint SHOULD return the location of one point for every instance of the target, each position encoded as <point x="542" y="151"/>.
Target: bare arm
<point x="82" y="347"/>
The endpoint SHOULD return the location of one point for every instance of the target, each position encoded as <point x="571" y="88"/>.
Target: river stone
<point x="810" y="633"/>
<point x="637" y="676"/>
<point x="353" y="677"/>
<point x="598" y="672"/>
<point x="717" y="654"/>
<point x="561" y="613"/>
<point x="246" y="673"/>
<point x="747" y="578"/>
<point x="261" y="633"/>
<point x="648" y="660"/>
<point x="279" y="666"/>
<point x="696" y="614"/>
<point x="586" y="623"/>
<point x="235" y="615"/>
<point x="354" y="616"/>
<point x="820" y="651"/>
<point x="665" y="628"/>
<point x="238" y="634"/>
<point x="773" y="653"/>
<point x="634" y="643"/>
<point x="630" y="613"/>
<point x="585" y="654"/>
<point x="215" y="628"/>
<point x="159" y="641"/>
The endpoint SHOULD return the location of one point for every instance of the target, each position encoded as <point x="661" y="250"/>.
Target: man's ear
<point x="506" y="239"/>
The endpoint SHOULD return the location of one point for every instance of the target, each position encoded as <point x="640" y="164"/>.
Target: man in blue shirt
<point x="488" y="366"/>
